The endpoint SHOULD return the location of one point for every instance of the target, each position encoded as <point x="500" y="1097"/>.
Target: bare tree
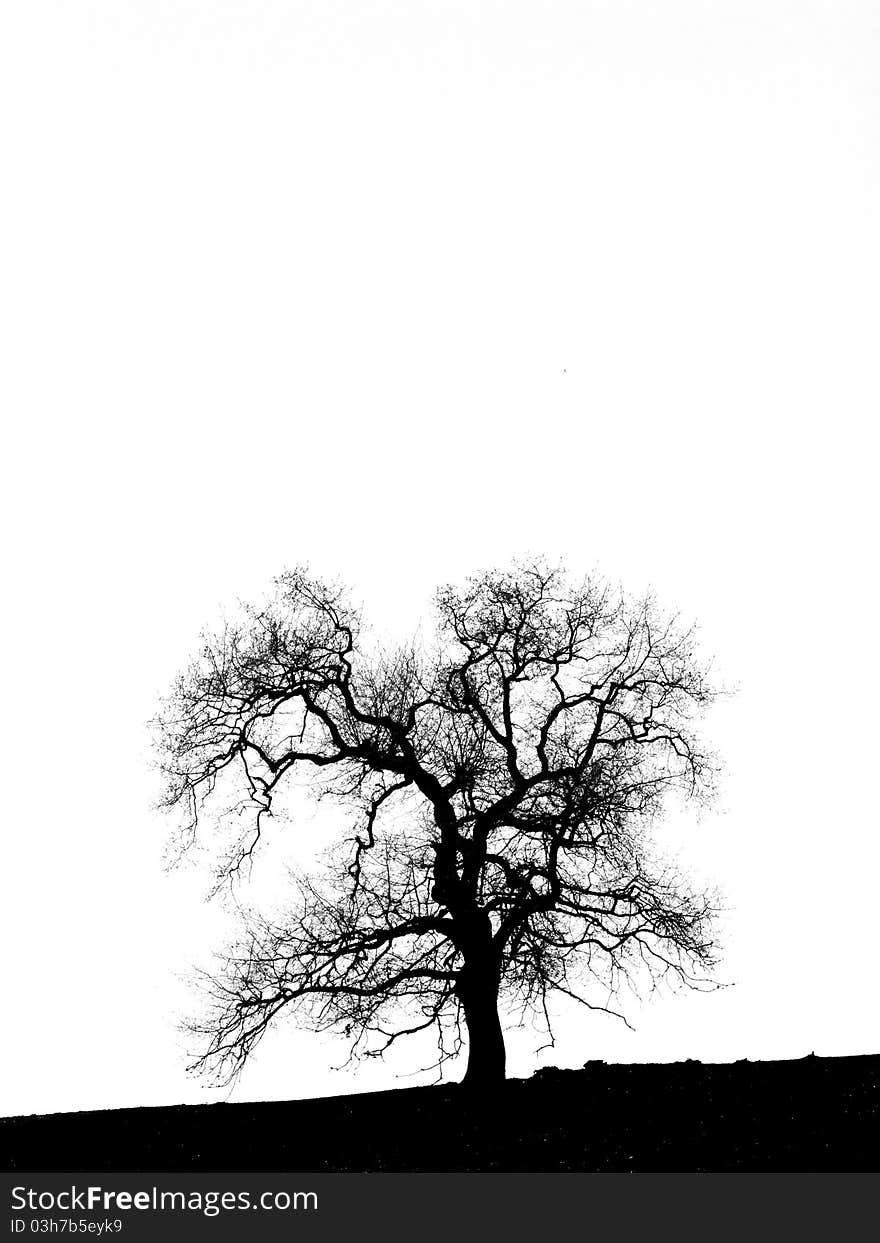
<point x="504" y="784"/>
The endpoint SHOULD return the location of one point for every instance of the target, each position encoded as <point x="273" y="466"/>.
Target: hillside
<point x="816" y="1114"/>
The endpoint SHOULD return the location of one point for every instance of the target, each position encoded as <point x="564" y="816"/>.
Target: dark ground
<point x="816" y="1114"/>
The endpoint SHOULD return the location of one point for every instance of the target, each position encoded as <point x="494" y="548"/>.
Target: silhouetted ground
<point x="816" y="1114"/>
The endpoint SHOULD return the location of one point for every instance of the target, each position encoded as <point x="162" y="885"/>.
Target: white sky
<point x="405" y="290"/>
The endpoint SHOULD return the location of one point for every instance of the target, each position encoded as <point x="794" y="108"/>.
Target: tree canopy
<point x="502" y="780"/>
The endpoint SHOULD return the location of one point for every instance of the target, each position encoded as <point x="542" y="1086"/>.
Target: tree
<point x="504" y="782"/>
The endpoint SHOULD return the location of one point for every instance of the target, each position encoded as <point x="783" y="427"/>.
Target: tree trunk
<point x="486" y="1054"/>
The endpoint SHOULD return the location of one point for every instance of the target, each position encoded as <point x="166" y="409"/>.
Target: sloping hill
<point x="816" y="1114"/>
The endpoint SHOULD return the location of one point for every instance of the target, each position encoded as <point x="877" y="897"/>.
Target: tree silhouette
<point x="503" y="778"/>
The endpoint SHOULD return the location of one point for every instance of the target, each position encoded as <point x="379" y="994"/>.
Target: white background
<point x="404" y="290"/>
